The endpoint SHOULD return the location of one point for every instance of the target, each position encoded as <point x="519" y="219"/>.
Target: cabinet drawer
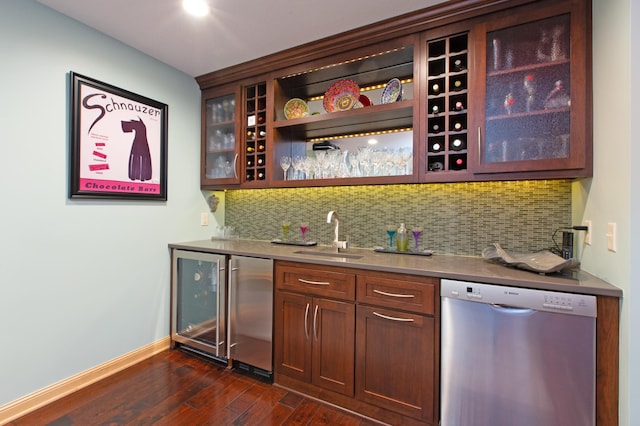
<point x="405" y="292"/>
<point x="315" y="279"/>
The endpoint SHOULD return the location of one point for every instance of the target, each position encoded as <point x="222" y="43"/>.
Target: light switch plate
<point x="612" y="244"/>
<point x="204" y="219"/>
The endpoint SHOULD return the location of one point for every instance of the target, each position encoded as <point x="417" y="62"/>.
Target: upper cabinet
<point x="533" y="91"/>
<point x="220" y="138"/>
<point x="462" y="91"/>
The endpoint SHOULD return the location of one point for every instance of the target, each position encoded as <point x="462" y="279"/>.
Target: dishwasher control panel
<point x="517" y="297"/>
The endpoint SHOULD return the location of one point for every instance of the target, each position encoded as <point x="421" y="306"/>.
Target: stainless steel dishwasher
<point x="515" y="356"/>
<point x="251" y="315"/>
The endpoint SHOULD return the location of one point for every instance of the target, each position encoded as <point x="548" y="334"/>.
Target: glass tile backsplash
<point x="458" y="218"/>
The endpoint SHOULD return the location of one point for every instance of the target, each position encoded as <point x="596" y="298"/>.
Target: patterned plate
<point x="392" y="92"/>
<point x="296" y="108"/>
<point x="341" y="96"/>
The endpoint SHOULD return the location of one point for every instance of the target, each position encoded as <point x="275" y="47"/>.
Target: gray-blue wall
<point x="81" y="282"/>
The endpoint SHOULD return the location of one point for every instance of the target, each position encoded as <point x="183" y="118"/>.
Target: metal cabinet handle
<point x="479" y="144"/>
<point x="393" y="318"/>
<point x="384" y="293"/>
<point x="306" y="322"/>
<point x="315" y="323"/>
<point x="313" y="282"/>
<point x="235" y="166"/>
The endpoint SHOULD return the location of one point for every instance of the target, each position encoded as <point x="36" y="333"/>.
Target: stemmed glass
<point x="285" y="163"/>
<point x="285" y="229"/>
<point x="304" y="226"/>
<point x="417" y="232"/>
<point x="391" y="232"/>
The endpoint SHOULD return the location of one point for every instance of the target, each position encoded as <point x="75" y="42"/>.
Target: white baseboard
<point x="35" y="400"/>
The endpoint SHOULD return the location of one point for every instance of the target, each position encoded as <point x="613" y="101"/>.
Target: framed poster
<point x="118" y="143"/>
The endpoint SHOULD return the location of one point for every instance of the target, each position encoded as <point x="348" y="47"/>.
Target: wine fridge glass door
<point x="199" y="296"/>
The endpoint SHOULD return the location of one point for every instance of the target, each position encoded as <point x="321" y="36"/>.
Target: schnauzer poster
<point x="118" y="142"/>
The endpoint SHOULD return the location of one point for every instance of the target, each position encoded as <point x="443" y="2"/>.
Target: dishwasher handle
<point x="511" y="310"/>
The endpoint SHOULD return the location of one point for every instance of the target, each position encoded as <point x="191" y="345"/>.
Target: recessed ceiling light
<point x="196" y="7"/>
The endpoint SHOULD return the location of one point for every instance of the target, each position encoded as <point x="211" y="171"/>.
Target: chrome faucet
<point x="337" y="244"/>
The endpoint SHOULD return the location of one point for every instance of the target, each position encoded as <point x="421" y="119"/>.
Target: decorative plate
<point x="392" y="92"/>
<point x="341" y="96"/>
<point x="365" y="101"/>
<point x="296" y="108"/>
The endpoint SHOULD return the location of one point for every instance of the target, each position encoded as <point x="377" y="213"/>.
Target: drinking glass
<point x="417" y="232"/>
<point x="285" y="229"/>
<point x="391" y="232"/>
<point x="285" y="163"/>
<point x="304" y="227"/>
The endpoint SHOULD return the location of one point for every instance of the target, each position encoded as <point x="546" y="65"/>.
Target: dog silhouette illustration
<point x="140" y="157"/>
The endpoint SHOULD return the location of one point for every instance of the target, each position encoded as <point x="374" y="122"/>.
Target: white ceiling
<point x="236" y="31"/>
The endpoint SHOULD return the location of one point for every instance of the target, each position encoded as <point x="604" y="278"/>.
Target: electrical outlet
<point x="612" y="244"/>
<point x="204" y="219"/>
<point x="587" y="235"/>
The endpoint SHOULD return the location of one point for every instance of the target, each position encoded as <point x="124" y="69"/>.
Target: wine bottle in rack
<point x="458" y="162"/>
<point x="435" y="146"/>
<point x="458" y="144"/>
<point x="458" y="106"/>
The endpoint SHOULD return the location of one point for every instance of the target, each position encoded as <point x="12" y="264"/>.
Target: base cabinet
<point x="363" y="340"/>
<point x="316" y="341"/>
<point x="395" y="358"/>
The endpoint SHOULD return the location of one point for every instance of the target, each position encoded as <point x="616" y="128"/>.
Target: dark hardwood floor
<point x="177" y="388"/>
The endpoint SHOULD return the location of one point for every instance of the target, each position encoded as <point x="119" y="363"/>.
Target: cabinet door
<point x="292" y="336"/>
<point x="220" y="147"/>
<point x="395" y="355"/>
<point x="532" y="106"/>
<point x="333" y="345"/>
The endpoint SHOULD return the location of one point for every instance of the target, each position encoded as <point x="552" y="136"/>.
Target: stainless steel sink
<point x="329" y="254"/>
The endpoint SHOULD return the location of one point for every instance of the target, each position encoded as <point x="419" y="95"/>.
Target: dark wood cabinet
<point x="491" y="90"/>
<point x="314" y="335"/>
<point x="220" y="147"/>
<point x="532" y="109"/>
<point x="395" y="359"/>
<point x="374" y="352"/>
<point x="397" y="343"/>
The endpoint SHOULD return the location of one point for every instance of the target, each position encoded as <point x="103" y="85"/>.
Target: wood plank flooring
<point x="176" y="388"/>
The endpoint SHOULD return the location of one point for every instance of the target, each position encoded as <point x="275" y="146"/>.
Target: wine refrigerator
<point x="198" y="303"/>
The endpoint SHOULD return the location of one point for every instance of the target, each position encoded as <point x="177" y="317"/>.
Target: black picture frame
<point x="118" y="143"/>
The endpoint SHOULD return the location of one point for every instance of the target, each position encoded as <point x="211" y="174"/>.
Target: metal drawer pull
<point x="384" y="293"/>
<point x="393" y="318"/>
<point x="313" y="282"/>
<point x="306" y="322"/>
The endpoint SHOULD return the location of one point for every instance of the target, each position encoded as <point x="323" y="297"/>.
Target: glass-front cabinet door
<point x="220" y="148"/>
<point x="533" y="115"/>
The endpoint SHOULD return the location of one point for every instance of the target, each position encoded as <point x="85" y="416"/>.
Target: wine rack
<point x="255" y="132"/>
<point x="447" y="101"/>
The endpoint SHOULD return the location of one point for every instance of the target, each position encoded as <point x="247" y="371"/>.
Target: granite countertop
<point x="465" y="268"/>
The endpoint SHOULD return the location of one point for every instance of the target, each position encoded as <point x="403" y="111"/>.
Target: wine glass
<point x="391" y="232"/>
<point x="285" y="163"/>
<point x="417" y="232"/>
<point x="304" y="227"/>
<point x="285" y="229"/>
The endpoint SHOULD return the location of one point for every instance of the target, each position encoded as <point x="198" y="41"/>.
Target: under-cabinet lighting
<point x="360" y="135"/>
<point x="343" y="63"/>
